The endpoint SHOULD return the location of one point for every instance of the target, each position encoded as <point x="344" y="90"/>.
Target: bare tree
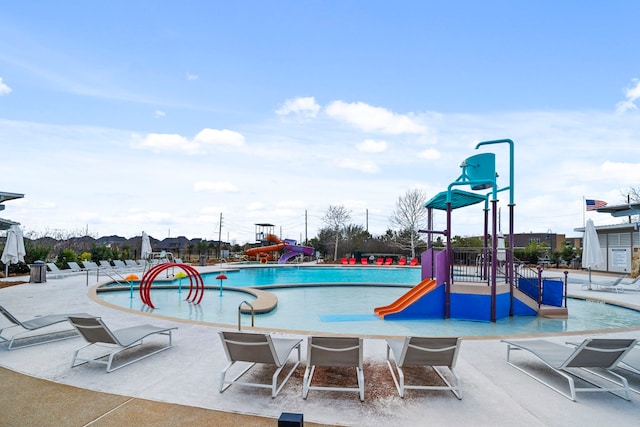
<point x="410" y="216"/>
<point x="335" y="219"/>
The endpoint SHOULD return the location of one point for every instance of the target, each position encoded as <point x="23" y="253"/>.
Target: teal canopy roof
<point x="459" y="199"/>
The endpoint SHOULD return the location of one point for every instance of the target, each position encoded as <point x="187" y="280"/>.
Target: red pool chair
<point x="352" y="261"/>
<point x="343" y="261"/>
<point x="403" y="261"/>
<point x="388" y="261"/>
<point x="364" y="261"/>
<point x="414" y="261"/>
<point x="380" y="261"/>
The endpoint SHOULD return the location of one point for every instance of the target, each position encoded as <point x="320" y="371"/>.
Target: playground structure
<point x="266" y="252"/>
<point x="477" y="295"/>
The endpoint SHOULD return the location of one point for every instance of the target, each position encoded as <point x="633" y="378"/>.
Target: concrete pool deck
<point x="180" y="386"/>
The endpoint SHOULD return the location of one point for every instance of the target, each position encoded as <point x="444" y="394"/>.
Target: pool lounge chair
<point x="74" y="266"/>
<point x="364" y="261"/>
<point x="333" y="352"/>
<point x="614" y="286"/>
<point x="380" y="261"/>
<point x="632" y="285"/>
<point x="344" y="261"/>
<point x="131" y="264"/>
<point x="36" y="324"/>
<point x="431" y="352"/>
<point x="56" y="273"/>
<point x="352" y="261"/>
<point x="403" y="261"/>
<point x="388" y="261"/>
<point x="255" y="348"/>
<point x="95" y="332"/>
<point x="602" y="354"/>
<point x="414" y="261"/>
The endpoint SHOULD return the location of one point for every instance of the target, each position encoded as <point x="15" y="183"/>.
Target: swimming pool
<point x="349" y="309"/>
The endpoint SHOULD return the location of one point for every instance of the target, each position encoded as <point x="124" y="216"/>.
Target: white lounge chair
<point x="615" y="286"/>
<point x="74" y="266"/>
<point x="257" y="348"/>
<point x="96" y="332"/>
<point x="36" y="324"/>
<point x="602" y="354"/>
<point x="56" y="273"/>
<point x="333" y="352"/>
<point x="431" y="352"/>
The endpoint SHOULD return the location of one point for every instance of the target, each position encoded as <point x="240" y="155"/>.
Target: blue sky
<point x="119" y="117"/>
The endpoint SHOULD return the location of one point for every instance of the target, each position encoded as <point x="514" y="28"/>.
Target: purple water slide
<point x="293" y="251"/>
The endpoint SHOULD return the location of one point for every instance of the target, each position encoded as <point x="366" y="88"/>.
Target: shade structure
<point x="591" y="253"/>
<point x="146" y="250"/>
<point x="14" y="251"/>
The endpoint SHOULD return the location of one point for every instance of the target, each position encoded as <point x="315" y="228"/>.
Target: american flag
<point x="592" y="205"/>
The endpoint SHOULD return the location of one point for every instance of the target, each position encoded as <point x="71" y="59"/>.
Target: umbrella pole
<point x="589" y="278"/>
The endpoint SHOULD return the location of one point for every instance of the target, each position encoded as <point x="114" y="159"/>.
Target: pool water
<point x="349" y="309"/>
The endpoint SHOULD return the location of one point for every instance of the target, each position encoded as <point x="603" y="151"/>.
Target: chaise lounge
<point x="602" y="354"/>
<point x="36" y="324"/>
<point x="256" y="348"/>
<point x="96" y="332"/>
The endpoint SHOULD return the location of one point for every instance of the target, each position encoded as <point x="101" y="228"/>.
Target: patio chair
<point x="256" y="348"/>
<point x="344" y="261"/>
<point x="603" y="354"/>
<point x="36" y="324"/>
<point x="333" y="352"/>
<point x="95" y="332"/>
<point x="414" y="261"/>
<point x="379" y="261"/>
<point x="614" y="286"/>
<point x="388" y="261"/>
<point x="131" y="264"/>
<point x="74" y="266"/>
<point x="403" y="261"/>
<point x="56" y="273"/>
<point x="431" y="352"/>
<point x="352" y="261"/>
<point x="364" y="260"/>
<point x="120" y="265"/>
<point x="632" y="285"/>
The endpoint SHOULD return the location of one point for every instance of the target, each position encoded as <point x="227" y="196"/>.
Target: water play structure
<point x="488" y="286"/>
<point x="196" y="283"/>
<point x="271" y="244"/>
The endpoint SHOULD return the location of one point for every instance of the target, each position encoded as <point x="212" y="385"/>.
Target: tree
<point x="410" y="216"/>
<point x="335" y="219"/>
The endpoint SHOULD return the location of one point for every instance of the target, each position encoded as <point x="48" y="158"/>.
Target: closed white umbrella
<point x="591" y="253"/>
<point x="502" y="253"/>
<point x="14" y="251"/>
<point x="146" y="250"/>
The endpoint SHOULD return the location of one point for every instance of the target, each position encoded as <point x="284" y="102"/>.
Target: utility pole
<point x="220" y="238"/>
<point x="367" y="219"/>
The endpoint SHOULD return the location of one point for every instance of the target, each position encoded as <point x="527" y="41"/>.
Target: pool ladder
<point x="240" y="314"/>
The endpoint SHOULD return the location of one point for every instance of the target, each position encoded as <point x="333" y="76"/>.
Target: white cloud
<point x="219" y="137"/>
<point x="632" y="94"/>
<point x="4" y="89"/>
<point x="370" y="119"/>
<point x="358" y="164"/>
<point x="165" y="142"/>
<point x="159" y="113"/>
<point x="622" y="172"/>
<point x="191" y="76"/>
<point x="303" y="106"/>
<point x="215" y="187"/>
<point x="372" y="146"/>
<point x="430" y="154"/>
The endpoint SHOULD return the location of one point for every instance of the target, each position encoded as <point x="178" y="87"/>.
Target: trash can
<point x="38" y="272"/>
<point x="203" y="260"/>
